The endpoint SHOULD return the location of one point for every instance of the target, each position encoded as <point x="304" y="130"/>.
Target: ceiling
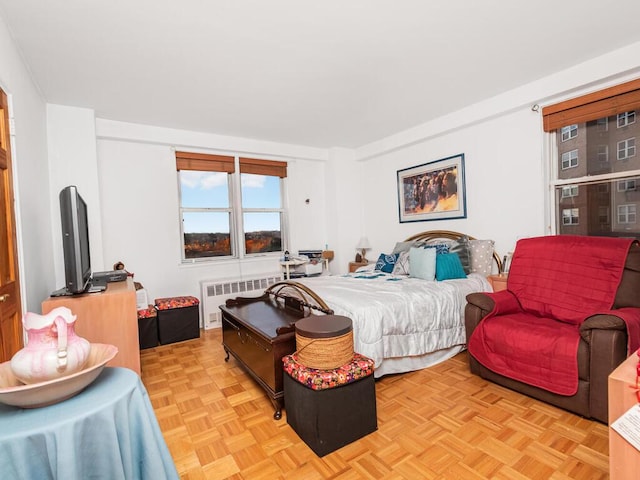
<point x="332" y="73"/>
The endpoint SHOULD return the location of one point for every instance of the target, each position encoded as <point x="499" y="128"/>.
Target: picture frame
<point x="432" y="191"/>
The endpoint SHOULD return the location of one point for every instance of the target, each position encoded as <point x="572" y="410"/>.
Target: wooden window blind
<point x="604" y="103"/>
<point x="204" y="162"/>
<point x="263" y="167"/>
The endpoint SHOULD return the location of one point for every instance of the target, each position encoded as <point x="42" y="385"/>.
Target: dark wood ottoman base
<point x="329" y="419"/>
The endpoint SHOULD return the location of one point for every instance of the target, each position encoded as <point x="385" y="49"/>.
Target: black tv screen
<point x="75" y="240"/>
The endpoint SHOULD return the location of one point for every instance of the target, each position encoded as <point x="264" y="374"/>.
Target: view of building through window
<point x="605" y="147"/>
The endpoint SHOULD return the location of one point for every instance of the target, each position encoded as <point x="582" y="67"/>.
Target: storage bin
<point x="148" y="327"/>
<point x="329" y="409"/>
<point x="178" y="319"/>
<point x="324" y="341"/>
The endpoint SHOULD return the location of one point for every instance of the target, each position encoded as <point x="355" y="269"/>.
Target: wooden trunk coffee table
<point x="258" y="333"/>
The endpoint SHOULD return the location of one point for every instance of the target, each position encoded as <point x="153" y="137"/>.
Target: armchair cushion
<point x="536" y="350"/>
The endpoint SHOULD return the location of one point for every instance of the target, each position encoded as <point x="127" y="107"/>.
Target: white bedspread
<point x="397" y="316"/>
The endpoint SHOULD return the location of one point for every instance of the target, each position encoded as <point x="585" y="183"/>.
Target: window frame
<point x="597" y="106"/>
<point x="626" y="149"/>
<point x="625" y="117"/>
<point x="569" y="132"/>
<point x="627" y="207"/>
<point x="237" y="233"/>
<point x="571" y="159"/>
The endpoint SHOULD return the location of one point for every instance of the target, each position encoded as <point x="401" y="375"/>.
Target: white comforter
<point x="397" y="316"/>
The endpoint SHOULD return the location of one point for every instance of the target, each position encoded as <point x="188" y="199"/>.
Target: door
<point x="10" y="305"/>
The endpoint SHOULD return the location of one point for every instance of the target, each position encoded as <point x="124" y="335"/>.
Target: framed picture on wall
<point x="432" y="191"/>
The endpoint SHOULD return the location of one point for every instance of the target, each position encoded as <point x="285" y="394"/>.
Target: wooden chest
<point x="258" y="333"/>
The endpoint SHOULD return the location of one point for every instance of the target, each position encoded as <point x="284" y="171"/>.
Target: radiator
<point x="215" y="292"/>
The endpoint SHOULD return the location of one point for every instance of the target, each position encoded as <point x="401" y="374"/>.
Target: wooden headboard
<point x="431" y="235"/>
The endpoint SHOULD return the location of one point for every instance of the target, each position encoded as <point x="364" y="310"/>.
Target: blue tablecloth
<point x="108" y="431"/>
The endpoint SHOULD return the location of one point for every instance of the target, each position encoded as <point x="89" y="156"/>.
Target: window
<point x="602" y="124"/>
<point x="627" y="213"/>
<point x="626" y="118"/>
<point x="230" y="207"/>
<point x="569" y="132"/>
<point x="570" y="216"/>
<point x="603" y="153"/>
<point x="627" y="185"/>
<point x="603" y="216"/>
<point x="570" y="191"/>
<point x="570" y="159"/>
<point x="626" y="149"/>
<point x="608" y="191"/>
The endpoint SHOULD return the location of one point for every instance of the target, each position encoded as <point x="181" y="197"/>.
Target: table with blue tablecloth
<point x="109" y="430"/>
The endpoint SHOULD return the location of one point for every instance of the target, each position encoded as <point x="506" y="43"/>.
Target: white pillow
<point x="422" y="263"/>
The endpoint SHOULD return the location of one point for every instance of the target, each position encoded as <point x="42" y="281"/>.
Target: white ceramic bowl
<point x="14" y="392"/>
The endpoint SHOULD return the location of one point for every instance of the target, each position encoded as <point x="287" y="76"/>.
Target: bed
<point x="402" y="323"/>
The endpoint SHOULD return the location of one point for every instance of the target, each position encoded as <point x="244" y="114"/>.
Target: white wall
<point x="139" y="198"/>
<point x="73" y="161"/>
<point x="31" y="176"/>
<point x="506" y="165"/>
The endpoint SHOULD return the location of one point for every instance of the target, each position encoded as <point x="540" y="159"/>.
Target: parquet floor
<point x="438" y="423"/>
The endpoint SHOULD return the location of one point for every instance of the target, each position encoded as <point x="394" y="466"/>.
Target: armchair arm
<point x="600" y="322"/>
<point x="479" y="305"/>
<point x="605" y="336"/>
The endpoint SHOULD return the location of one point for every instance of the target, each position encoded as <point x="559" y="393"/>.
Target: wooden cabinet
<point x="258" y="334"/>
<point x="624" y="459"/>
<point x="353" y="266"/>
<point x="498" y="282"/>
<point x="107" y="317"/>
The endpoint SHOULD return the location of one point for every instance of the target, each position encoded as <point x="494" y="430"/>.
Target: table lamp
<point x="363" y="245"/>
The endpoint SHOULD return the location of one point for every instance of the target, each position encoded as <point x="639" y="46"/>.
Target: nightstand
<point x="353" y="266"/>
<point x="498" y="282"/>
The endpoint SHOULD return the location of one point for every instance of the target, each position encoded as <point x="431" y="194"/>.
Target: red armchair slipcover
<point x="569" y="316"/>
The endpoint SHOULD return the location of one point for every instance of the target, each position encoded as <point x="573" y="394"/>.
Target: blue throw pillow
<point x="448" y="267"/>
<point x="386" y="262"/>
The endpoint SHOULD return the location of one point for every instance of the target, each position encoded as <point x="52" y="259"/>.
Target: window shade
<point x="204" y="162"/>
<point x="604" y="103"/>
<point x="263" y="167"/>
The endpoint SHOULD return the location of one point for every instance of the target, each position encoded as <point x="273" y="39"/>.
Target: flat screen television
<point x="75" y="240"/>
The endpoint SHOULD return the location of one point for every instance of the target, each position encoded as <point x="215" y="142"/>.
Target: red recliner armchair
<point x="569" y="317"/>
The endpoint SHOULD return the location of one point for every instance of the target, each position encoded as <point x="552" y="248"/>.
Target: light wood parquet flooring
<point x="436" y="424"/>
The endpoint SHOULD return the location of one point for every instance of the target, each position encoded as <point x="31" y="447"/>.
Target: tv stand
<point x="110" y="317"/>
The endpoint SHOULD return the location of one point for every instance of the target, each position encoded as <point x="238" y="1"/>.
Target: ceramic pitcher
<point x="53" y="349"/>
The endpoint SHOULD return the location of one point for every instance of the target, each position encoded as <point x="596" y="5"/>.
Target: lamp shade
<point x="363" y="243"/>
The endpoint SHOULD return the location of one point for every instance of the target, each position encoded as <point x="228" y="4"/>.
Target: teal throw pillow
<point x="448" y="267"/>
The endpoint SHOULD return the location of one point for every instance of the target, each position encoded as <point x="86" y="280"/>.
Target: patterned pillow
<point x="448" y="267"/>
<point x="422" y="263"/>
<point x="440" y="247"/>
<point x="481" y="256"/>
<point x="402" y="264"/>
<point x="386" y="262"/>
<point x="462" y="248"/>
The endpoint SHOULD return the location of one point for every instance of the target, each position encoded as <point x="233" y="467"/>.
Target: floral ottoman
<point x="178" y="319"/>
<point x="329" y="409"/>
<point x="148" y="327"/>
